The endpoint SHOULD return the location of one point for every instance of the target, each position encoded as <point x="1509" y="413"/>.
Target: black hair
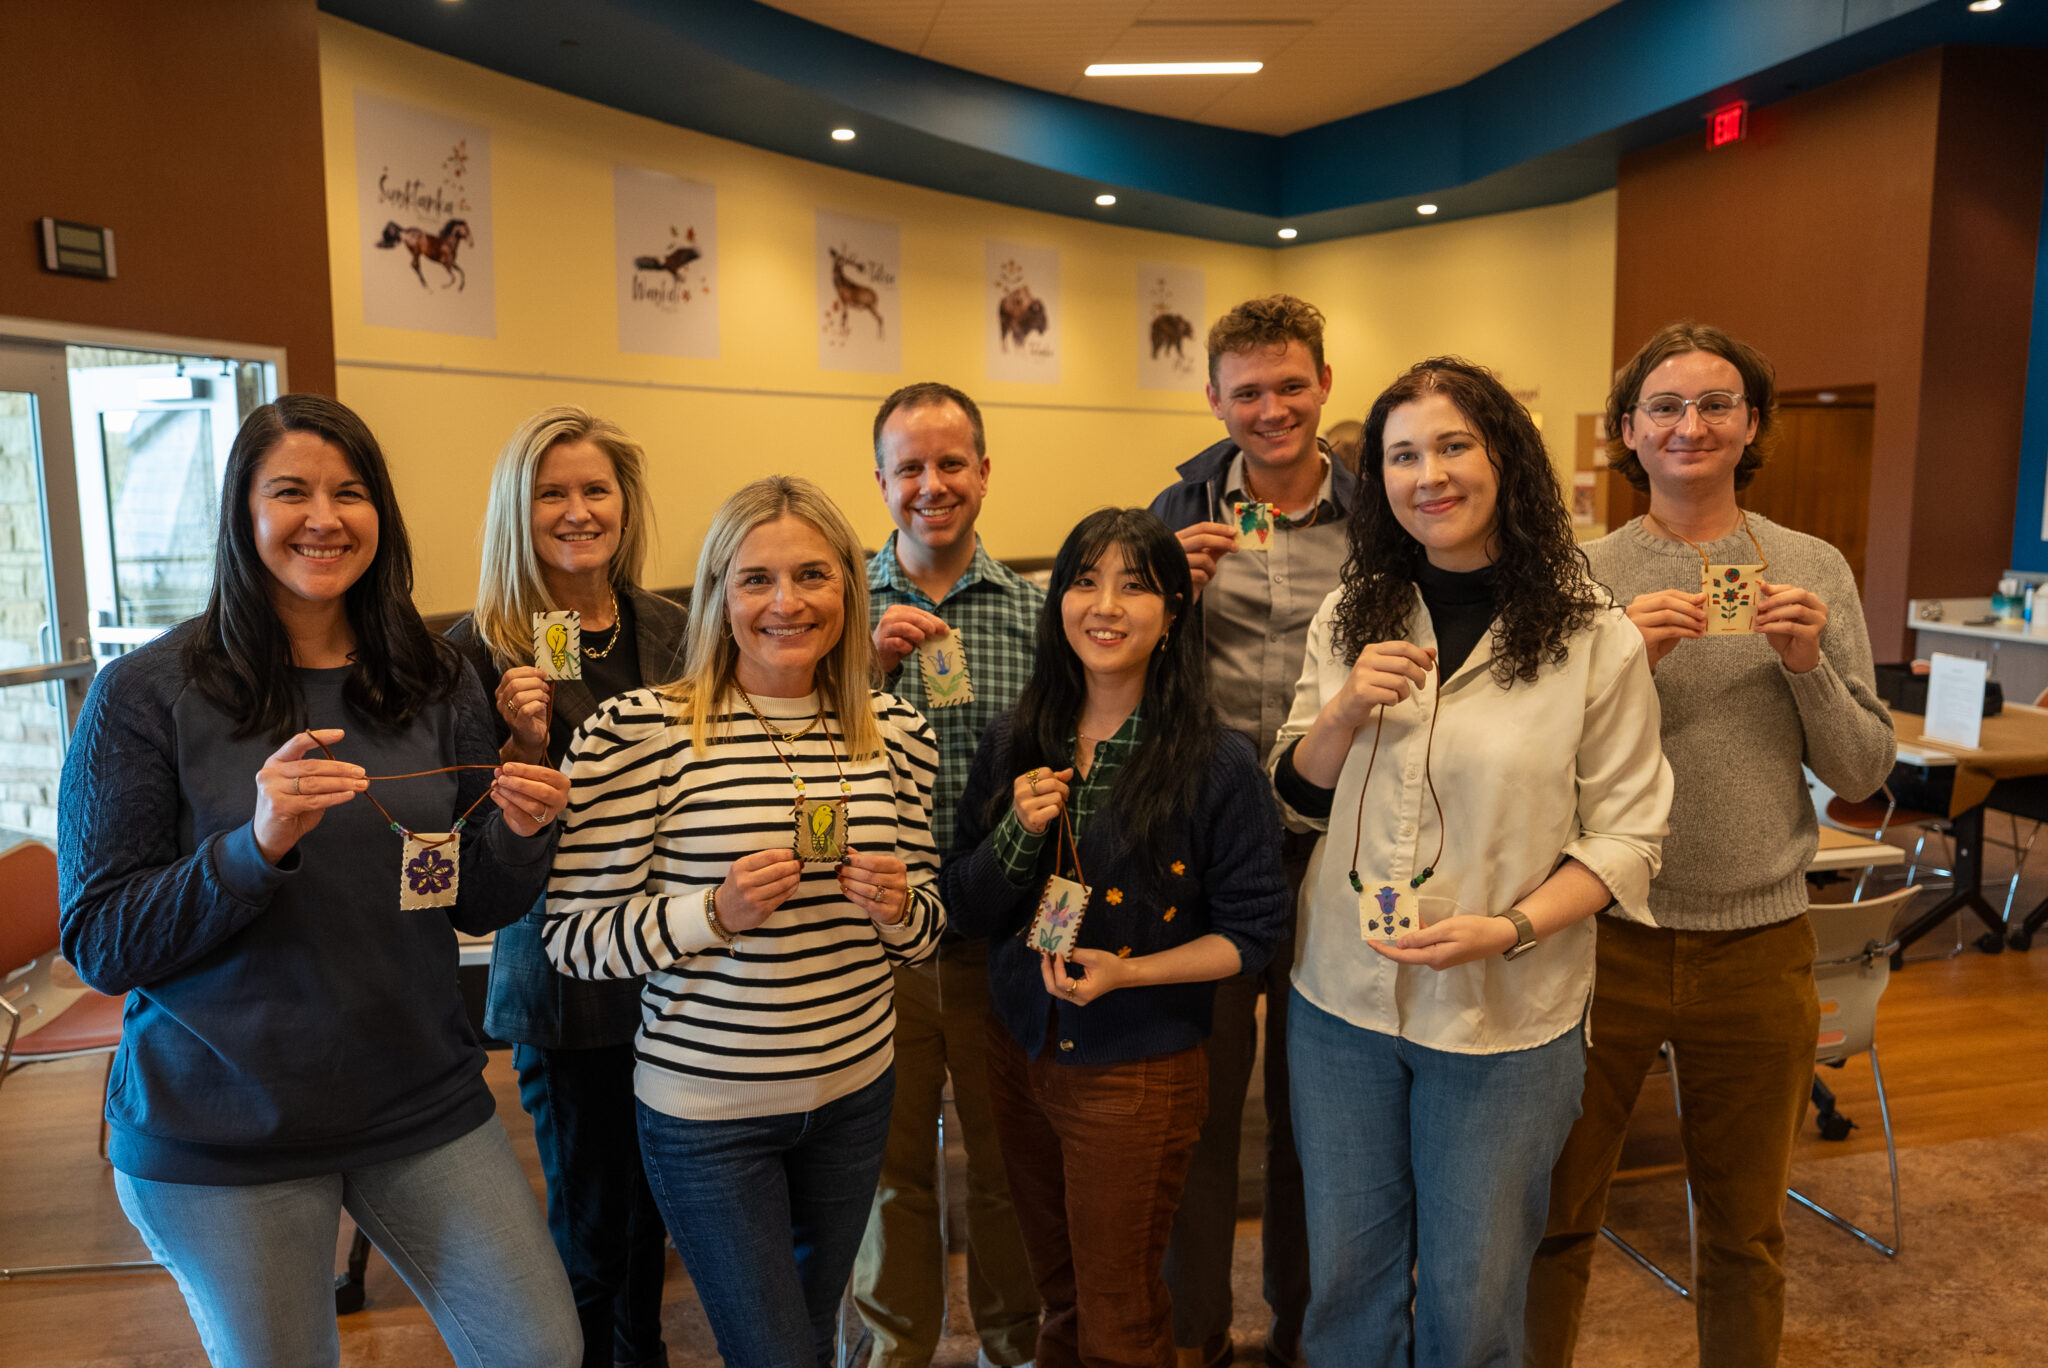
<point x="921" y="395"/>
<point x="1543" y="590"/>
<point x="239" y="655"/>
<point x="1158" y="782"/>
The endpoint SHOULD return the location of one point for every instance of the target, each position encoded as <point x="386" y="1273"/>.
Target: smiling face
<point x="578" y="512"/>
<point x="314" y="524"/>
<point x="1692" y="454"/>
<point x="1441" y="484"/>
<point x="930" y="476"/>
<point x="785" y="600"/>
<point x="1271" y="403"/>
<point x="1112" y="620"/>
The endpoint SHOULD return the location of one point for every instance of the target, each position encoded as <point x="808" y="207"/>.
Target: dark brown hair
<point x="918" y="396"/>
<point x="1273" y="321"/>
<point x="1543" y="590"/>
<point x="1759" y="390"/>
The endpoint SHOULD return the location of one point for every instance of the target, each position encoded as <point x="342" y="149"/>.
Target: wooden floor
<point x="1963" y="1043"/>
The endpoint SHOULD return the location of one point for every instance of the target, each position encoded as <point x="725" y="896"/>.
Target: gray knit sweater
<point x="1738" y="724"/>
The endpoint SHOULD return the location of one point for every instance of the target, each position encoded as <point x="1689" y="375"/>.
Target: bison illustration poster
<point x="1023" y="309"/>
<point x="1171" y="327"/>
<point x="860" y="319"/>
<point x="423" y="218"/>
<point x="666" y="239"/>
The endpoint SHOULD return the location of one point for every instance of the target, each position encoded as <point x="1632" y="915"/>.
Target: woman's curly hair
<point x="1543" y="589"/>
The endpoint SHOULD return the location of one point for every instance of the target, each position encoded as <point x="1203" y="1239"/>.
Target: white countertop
<point x="1956" y="612"/>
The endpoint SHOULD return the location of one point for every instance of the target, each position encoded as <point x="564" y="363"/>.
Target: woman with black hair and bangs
<point x="1113" y="773"/>
<point x="294" y="1044"/>
<point x="1476" y="734"/>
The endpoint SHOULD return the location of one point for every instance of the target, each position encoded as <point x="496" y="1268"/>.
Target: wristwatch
<point x="1525" y="936"/>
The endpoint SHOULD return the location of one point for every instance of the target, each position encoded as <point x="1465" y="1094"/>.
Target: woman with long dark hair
<point x="273" y="821"/>
<point x="1112" y="774"/>
<point x="1476" y="733"/>
<point x="567" y="528"/>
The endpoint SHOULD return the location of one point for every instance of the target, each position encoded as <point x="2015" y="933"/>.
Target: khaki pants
<point x="899" y="1280"/>
<point x="1740" y="1010"/>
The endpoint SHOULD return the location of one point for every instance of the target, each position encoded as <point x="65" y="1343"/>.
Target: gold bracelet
<point x="711" y="917"/>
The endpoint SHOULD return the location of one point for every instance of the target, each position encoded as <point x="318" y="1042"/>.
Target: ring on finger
<point x="295" y="785"/>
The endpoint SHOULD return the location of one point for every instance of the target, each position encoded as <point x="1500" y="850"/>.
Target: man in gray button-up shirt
<point x="1268" y="383"/>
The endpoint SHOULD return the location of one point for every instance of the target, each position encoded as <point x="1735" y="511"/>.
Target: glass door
<point x="45" y="643"/>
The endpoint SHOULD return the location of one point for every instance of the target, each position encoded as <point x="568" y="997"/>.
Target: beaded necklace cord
<point x="392" y="822"/>
<point x="791" y="738"/>
<point x="1358" y="826"/>
<point x="1705" y="560"/>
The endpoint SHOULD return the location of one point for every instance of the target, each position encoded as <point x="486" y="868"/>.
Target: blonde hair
<point x="510" y="589"/>
<point x="712" y="658"/>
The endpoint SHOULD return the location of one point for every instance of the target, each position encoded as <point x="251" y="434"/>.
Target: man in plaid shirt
<point x="933" y="581"/>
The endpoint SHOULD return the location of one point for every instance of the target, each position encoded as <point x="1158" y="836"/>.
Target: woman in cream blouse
<point x="1476" y="732"/>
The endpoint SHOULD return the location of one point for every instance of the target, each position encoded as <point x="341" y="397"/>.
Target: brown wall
<point x="1880" y="230"/>
<point x="193" y="131"/>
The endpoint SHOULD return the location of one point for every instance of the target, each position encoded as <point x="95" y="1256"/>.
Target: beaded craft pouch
<point x="1254" y="524"/>
<point x="558" y="644"/>
<point x="430" y="870"/>
<point x="1057" y="924"/>
<point x="944" y="663"/>
<point x="821" y="830"/>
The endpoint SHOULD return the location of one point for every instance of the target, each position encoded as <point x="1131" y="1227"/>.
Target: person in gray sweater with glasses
<point x="1726" y="974"/>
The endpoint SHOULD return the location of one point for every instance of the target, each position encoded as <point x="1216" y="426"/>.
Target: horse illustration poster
<point x="860" y="315"/>
<point x="667" y="235"/>
<point x="423" y="209"/>
<point x="1171" y="327"/>
<point x="1023" y="312"/>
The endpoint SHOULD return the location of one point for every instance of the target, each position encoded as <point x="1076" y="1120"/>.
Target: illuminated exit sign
<point x="1728" y="124"/>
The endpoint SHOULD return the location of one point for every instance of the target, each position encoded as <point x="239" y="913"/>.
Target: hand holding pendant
<point x="293" y="793"/>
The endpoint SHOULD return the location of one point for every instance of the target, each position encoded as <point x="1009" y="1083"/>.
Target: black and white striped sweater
<point x="798" y="1011"/>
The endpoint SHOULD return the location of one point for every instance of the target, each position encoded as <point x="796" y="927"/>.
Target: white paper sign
<point x="667" y="238"/>
<point x="1171" y="328"/>
<point x="1955" y="700"/>
<point x="1023" y="312"/>
<point x="423" y="214"/>
<point x="859" y="318"/>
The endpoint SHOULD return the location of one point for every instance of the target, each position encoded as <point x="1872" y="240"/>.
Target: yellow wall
<point x="1530" y="293"/>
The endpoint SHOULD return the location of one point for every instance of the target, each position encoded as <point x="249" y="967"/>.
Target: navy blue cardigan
<point x="1225" y="877"/>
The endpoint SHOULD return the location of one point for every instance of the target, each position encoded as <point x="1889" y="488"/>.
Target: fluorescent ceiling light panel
<point x="1172" y="68"/>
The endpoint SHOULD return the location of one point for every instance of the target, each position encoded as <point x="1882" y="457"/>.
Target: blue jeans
<point x="600" y="1210"/>
<point x="768" y="1212"/>
<point x="1428" y="1179"/>
<point x="458" y="1222"/>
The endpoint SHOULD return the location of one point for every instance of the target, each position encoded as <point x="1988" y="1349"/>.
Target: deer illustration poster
<point x="860" y="316"/>
<point x="666" y="240"/>
<point x="1171" y="327"/>
<point x="1023" y="312"/>
<point x="423" y="218"/>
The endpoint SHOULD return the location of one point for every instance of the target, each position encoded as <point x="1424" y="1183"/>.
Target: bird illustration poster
<point x="558" y="644"/>
<point x="821" y="830"/>
<point x="943" y="662"/>
<point x="666" y="239"/>
<point x="1731" y="598"/>
<point x="1172" y="328"/>
<point x="423" y="219"/>
<point x="1022" y="312"/>
<point x="860" y="314"/>
<point x="429" y="870"/>
<point x="1057" y="925"/>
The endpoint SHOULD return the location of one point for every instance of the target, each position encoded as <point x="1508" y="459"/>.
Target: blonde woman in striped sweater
<point x="764" y="1080"/>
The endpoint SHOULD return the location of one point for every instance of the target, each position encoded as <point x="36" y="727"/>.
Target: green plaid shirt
<point x="1017" y="849"/>
<point x="994" y="610"/>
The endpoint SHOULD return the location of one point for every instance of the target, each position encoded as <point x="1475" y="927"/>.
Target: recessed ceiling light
<point x="1425" y="209"/>
<point x="1984" y="6"/>
<point x="842" y="135"/>
<point x="1287" y="234"/>
<point x="1105" y="200"/>
<point x="1172" y="68"/>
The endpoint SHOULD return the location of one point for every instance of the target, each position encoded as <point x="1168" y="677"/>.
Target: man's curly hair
<point x="1759" y="391"/>
<point x="1273" y="321"/>
<point x="1543" y="589"/>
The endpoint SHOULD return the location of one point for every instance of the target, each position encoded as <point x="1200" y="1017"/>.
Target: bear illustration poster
<point x="1171" y="327"/>
<point x="1023" y="312"/>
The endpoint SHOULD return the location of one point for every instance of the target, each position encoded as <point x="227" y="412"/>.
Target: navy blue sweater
<point x="1224" y="876"/>
<point x="282" y="1021"/>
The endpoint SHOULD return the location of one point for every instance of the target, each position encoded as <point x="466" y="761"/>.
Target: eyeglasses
<point x="1715" y="406"/>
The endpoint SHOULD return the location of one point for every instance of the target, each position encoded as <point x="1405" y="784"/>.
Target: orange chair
<point x="89" y="1025"/>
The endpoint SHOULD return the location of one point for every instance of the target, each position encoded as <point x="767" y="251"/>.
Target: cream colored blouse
<point x="1569" y="766"/>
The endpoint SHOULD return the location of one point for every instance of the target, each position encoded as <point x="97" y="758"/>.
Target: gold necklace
<point x="788" y="738"/>
<point x="588" y="653"/>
